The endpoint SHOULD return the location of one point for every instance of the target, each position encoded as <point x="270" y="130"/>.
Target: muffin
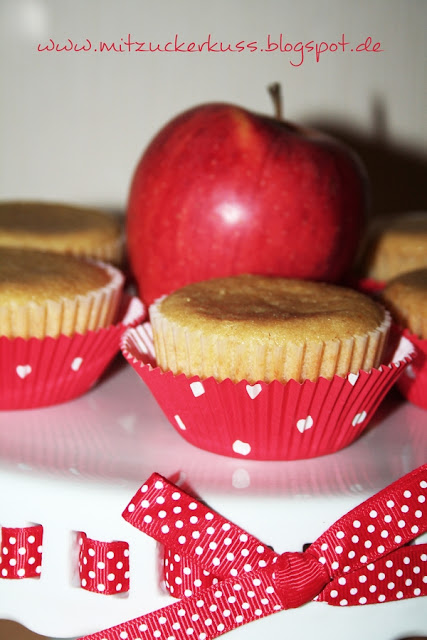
<point x="395" y="245"/>
<point x="267" y="368"/>
<point x="61" y="320"/>
<point x="406" y="297"/>
<point x="48" y="294"/>
<point x="263" y="328"/>
<point x="218" y="360"/>
<point x="61" y="228"/>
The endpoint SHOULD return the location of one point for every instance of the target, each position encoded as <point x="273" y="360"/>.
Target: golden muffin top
<point x="395" y="245"/>
<point x="55" y="227"/>
<point x="36" y="276"/>
<point x="406" y="297"/>
<point x="413" y="282"/>
<point x="247" y="306"/>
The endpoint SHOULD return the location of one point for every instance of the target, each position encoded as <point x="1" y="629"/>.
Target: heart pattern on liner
<point x="253" y="390"/>
<point x="197" y="388"/>
<point x="359" y="418"/>
<point x="244" y="448"/>
<point x="180" y="423"/>
<point x="352" y="378"/>
<point x="304" y="424"/>
<point x="23" y="370"/>
<point x="76" y="363"/>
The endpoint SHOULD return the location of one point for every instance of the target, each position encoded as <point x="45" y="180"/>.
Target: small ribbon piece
<point x="21" y="552"/>
<point x="361" y="559"/>
<point x="103" y="566"/>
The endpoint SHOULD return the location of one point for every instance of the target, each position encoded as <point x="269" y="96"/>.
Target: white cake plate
<point x="74" y="467"/>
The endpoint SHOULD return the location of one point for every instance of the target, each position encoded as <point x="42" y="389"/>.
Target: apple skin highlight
<point x="221" y="191"/>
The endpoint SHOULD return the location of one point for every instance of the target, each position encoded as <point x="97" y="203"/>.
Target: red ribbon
<point x="103" y="566"/>
<point x="21" y="552"/>
<point x="364" y="558"/>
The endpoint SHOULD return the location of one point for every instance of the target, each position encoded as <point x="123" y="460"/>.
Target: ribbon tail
<point x="399" y="575"/>
<point x="207" y="615"/>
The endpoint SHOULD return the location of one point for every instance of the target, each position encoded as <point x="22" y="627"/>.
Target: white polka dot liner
<point x="364" y="558"/>
<point x="37" y="373"/>
<point x="413" y="382"/>
<point x="265" y="421"/>
<point x="21" y="552"/>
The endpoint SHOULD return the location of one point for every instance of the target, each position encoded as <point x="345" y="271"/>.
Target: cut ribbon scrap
<point x="21" y="552"/>
<point x="103" y="566"/>
<point x="364" y="558"/>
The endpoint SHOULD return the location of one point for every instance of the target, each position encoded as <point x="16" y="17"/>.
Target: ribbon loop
<point x="388" y="520"/>
<point x="298" y="578"/>
<point x="188" y="527"/>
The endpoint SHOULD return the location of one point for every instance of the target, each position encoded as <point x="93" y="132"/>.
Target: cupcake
<point x="61" y="228"/>
<point x="406" y="298"/>
<point x="267" y="368"/>
<point x="260" y="328"/>
<point x="395" y="245"/>
<point x="61" y="318"/>
<point x="48" y="294"/>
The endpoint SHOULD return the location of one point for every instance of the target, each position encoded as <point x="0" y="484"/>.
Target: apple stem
<point x="275" y="91"/>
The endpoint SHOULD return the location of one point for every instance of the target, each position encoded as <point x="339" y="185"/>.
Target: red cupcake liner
<point x="39" y="373"/>
<point x="413" y="383"/>
<point x="266" y="421"/>
<point x="370" y="287"/>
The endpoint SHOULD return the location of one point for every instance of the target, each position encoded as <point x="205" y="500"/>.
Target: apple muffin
<point x="260" y="328"/>
<point x="395" y="245"/>
<point x="51" y="294"/>
<point x="406" y="298"/>
<point x="61" y="228"/>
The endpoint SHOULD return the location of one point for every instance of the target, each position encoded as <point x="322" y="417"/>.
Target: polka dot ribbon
<point x="364" y="558"/>
<point x="21" y="552"/>
<point x="103" y="566"/>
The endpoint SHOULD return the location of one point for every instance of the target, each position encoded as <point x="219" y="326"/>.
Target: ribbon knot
<point x="298" y="578"/>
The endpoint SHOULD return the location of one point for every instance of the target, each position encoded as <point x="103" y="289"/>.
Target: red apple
<point x="221" y="191"/>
